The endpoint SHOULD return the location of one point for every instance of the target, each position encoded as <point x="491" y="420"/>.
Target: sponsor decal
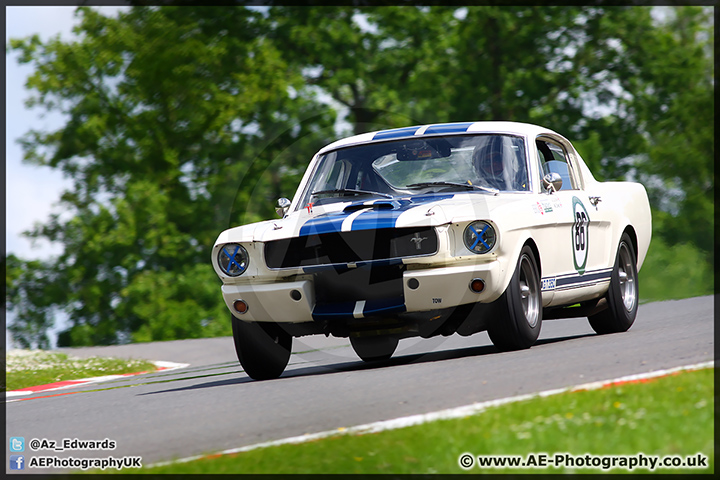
<point x="543" y="207"/>
<point x="580" y="235"/>
<point x="548" y="284"/>
<point x="546" y="206"/>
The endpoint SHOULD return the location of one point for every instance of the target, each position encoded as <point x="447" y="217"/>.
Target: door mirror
<point x="552" y="182"/>
<point x="282" y="207"/>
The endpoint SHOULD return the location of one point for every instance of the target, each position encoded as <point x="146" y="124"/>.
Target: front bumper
<point x="422" y="290"/>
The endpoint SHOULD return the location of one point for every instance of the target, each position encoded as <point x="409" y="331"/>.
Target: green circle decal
<point x="580" y="235"/>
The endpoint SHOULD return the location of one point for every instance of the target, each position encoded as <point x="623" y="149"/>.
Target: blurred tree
<point x="365" y="68"/>
<point x="676" y="110"/>
<point x="33" y="290"/>
<point x="659" y="91"/>
<point x="173" y="116"/>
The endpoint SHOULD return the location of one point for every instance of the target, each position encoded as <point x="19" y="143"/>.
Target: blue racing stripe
<point x="448" y="128"/>
<point x="396" y="133"/>
<point x="373" y="219"/>
<point x="329" y="223"/>
<point x="571" y="281"/>
<point x="370" y="220"/>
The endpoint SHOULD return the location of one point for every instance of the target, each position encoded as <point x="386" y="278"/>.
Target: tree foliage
<point x="173" y="115"/>
<point x="182" y="121"/>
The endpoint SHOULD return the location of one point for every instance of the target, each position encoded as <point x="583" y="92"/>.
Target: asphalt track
<point x="211" y="405"/>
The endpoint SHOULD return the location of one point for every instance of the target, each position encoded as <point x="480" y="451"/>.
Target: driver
<point x="488" y="162"/>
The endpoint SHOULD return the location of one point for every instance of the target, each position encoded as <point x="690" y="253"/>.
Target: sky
<point x="31" y="191"/>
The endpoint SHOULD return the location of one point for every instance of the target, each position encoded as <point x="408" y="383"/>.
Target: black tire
<point x="262" y="348"/>
<point x="517" y="326"/>
<point x="372" y="349"/>
<point x="622" y="294"/>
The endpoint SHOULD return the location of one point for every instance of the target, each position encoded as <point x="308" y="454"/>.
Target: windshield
<point x="424" y="165"/>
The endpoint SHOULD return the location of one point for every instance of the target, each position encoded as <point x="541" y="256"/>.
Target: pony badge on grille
<point x="417" y="239"/>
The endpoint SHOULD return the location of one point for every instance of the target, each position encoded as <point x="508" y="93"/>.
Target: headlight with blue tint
<point x="233" y="259"/>
<point x="479" y="237"/>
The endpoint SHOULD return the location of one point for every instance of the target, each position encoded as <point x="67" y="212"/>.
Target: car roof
<point x="517" y="128"/>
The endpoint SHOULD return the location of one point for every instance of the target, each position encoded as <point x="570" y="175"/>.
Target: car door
<point x="582" y="229"/>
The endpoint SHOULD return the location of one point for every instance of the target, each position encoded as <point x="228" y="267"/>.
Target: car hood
<point x="398" y="212"/>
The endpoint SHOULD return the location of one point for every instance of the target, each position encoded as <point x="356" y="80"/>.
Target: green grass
<point x="31" y="368"/>
<point x="673" y="272"/>
<point x="665" y="416"/>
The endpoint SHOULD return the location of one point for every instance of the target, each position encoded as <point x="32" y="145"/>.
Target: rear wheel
<point x="371" y="349"/>
<point x="263" y="348"/>
<point x="622" y="295"/>
<point x="518" y="324"/>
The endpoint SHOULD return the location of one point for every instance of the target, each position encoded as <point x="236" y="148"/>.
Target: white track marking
<point x="450" y="413"/>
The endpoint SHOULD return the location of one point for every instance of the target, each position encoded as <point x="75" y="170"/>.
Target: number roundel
<point x="580" y="235"/>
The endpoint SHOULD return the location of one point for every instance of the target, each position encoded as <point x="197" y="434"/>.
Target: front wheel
<point x="518" y="324"/>
<point x="371" y="349"/>
<point x="263" y="348"/>
<point x="622" y="295"/>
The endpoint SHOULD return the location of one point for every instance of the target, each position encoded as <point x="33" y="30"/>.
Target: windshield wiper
<point x="350" y="190"/>
<point x="455" y="184"/>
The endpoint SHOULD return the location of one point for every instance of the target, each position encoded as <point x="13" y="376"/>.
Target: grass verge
<point x="664" y="416"/>
<point x="28" y="368"/>
<point x="673" y="272"/>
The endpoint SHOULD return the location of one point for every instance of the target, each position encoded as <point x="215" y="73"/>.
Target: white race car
<point x="435" y="230"/>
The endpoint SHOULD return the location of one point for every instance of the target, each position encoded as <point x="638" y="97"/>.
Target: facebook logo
<point x="17" y="444"/>
<point x="17" y="462"/>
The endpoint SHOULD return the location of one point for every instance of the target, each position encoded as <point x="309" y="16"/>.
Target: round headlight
<point x="479" y="237"/>
<point x="233" y="259"/>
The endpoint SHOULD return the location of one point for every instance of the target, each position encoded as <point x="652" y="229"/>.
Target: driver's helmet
<point x="489" y="162"/>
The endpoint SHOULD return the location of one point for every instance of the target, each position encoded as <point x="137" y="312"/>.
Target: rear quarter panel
<point x="629" y="207"/>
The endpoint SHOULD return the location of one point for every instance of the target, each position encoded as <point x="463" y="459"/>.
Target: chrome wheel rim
<point x="529" y="291"/>
<point x="626" y="278"/>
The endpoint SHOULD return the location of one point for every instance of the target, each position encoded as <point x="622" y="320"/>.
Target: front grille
<point x="354" y="284"/>
<point x="347" y="247"/>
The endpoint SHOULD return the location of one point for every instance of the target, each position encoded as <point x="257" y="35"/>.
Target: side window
<point x="553" y="159"/>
